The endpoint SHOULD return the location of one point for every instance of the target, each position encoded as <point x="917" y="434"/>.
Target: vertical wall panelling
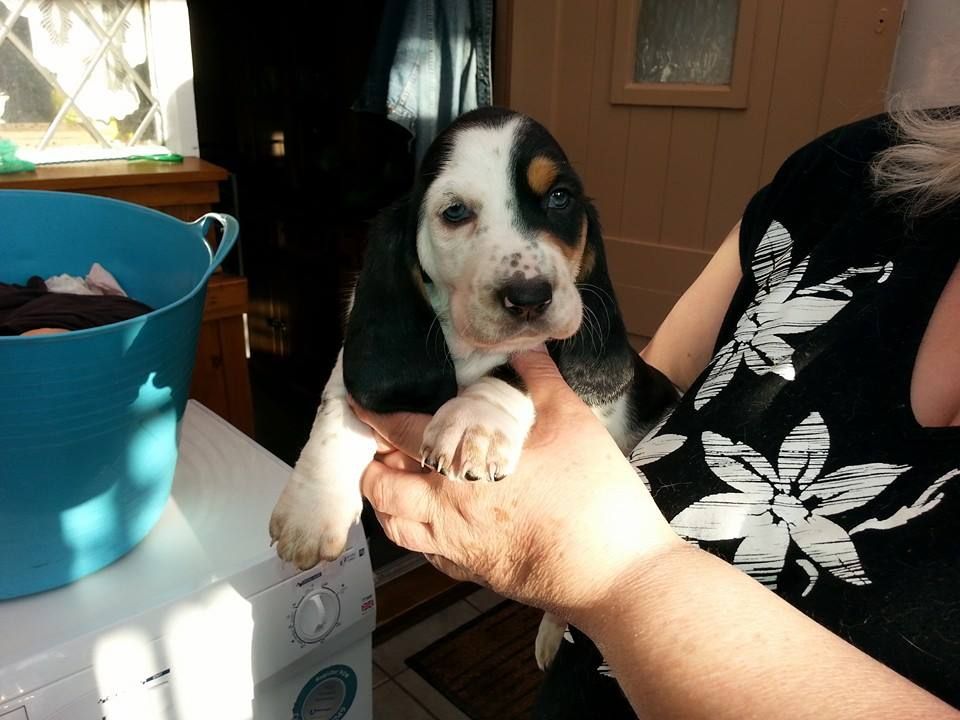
<point x="806" y="31"/>
<point x="864" y="35"/>
<point x="570" y="118"/>
<point x="532" y="90"/>
<point x="608" y="129"/>
<point x="648" y="159"/>
<point x="740" y="134"/>
<point x="671" y="181"/>
<point x="687" y="191"/>
<point x="502" y="50"/>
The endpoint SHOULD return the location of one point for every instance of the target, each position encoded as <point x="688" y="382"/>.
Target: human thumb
<point x="403" y="430"/>
<point x="540" y="374"/>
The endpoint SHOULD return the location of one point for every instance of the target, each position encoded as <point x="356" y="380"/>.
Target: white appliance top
<point x="213" y="527"/>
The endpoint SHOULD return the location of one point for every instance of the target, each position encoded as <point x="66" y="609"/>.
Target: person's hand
<point x="556" y="534"/>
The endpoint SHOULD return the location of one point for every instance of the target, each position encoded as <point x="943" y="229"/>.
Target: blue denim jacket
<point x="431" y="64"/>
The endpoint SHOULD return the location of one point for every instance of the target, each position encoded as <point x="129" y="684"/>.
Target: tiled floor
<point x="398" y="692"/>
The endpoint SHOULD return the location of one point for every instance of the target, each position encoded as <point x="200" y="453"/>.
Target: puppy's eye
<point x="457" y="213"/>
<point x="558" y="199"/>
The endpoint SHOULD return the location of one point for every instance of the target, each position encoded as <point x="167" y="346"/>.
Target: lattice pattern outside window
<point x="78" y="79"/>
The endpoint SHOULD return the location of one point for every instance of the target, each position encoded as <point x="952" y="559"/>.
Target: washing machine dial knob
<point x="316" y="615"/>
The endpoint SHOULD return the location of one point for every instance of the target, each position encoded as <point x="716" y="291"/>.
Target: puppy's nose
<point x="527" y="298"/>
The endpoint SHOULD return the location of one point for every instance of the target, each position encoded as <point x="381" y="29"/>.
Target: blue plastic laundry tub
<point x="89" y="419"/>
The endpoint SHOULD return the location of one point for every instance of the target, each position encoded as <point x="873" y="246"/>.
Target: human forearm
<point x="689" y="636"/>
<point x="574" y="532"/>
<point x="684" y="342"/>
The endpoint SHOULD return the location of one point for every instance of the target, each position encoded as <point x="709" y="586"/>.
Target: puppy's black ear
<point x="597" y="362"/>
<point x="394" y="354"/>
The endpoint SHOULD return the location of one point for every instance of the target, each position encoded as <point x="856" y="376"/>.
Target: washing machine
<point x="201" y="619"/>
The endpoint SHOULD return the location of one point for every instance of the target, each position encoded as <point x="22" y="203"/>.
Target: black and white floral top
<point x="796" y="455"/>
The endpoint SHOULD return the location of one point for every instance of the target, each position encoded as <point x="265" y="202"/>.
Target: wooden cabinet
<point x="186" y="191"/>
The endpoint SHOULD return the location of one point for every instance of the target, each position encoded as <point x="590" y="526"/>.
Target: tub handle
<point x="229" y="229"/>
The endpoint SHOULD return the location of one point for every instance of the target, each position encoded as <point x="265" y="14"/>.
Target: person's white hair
<point x="924" y="165"/>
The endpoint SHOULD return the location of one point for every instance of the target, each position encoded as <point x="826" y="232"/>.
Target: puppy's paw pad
<point x="310" y="524"/>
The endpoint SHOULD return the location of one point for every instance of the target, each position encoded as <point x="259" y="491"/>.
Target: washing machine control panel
<point x="331" y="606"/>
<point x="316" y="615"/>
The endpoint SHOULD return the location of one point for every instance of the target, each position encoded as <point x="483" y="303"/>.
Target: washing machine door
<point x="320" y="686"/>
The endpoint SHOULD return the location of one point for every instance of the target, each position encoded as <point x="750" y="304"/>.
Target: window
<point x="692" y="53"/>
<point x="686" y="42"/>
<point x="96" y="79"/>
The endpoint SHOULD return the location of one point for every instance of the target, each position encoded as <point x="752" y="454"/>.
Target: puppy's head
<point x="494" y="239"/>
<point x="502" y="231"/>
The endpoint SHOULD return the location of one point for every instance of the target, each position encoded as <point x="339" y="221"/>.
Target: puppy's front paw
<point x="311" y="520"/>
<point x="473" y="439"/>
<point x="549" y="636"/>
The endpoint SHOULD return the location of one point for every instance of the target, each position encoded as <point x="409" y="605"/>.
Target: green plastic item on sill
<point x="9" y="162"/>
<point x="159" y="157"/>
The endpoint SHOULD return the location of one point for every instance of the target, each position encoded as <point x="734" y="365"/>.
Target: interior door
<point x="672" y="153"/>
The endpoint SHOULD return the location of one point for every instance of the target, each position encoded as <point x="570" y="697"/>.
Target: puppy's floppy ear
<point x="394" y="354"/>
<point x="597" y="362"/>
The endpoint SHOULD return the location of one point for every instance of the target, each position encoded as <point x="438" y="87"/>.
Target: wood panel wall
<point x="669" y="183"/>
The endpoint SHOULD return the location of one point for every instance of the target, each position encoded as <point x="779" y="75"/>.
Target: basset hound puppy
<point x="496" y="250"/>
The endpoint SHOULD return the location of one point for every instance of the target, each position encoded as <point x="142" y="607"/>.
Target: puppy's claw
<point x="427" y="459"/>
<point x="474" y="439"/>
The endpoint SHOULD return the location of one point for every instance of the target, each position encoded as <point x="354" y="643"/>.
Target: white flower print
<point x="605" y="670"/>
<point x="927" y="501"/>
<point x="652" y="449"/>
<point x="770" y="507"/>
<point x="780" y="308"/>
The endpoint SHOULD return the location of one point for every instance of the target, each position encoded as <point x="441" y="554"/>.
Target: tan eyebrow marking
<point x="541" y="174"/>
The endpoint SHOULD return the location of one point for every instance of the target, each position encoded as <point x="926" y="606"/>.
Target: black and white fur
<point x="495" y="251"/>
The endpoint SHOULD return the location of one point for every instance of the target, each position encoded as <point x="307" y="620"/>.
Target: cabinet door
<point x="672" y="140"/>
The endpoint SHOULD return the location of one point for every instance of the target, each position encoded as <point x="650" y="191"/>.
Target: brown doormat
<point x="487" y="667"/>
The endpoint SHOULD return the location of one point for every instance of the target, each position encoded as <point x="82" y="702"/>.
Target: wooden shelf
<point x="114" y="173"/>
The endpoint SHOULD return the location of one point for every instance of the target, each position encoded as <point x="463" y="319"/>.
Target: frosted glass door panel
<point x="686" y="41"/>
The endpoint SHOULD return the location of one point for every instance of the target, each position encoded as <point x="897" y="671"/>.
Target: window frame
<point x="624" y="90"/>
<point x="171" y="62"/>
<point x="170" y="57"/>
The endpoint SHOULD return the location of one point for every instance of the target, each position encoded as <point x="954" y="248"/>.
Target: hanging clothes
<point x="430" y="65"/>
